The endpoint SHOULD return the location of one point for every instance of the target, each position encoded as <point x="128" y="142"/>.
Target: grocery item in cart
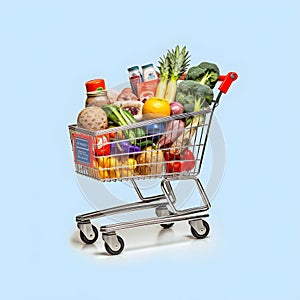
<point x="172" y="67"/>
<point x="133" y="106"/>
<point x="134" y="77"/>
<point x="147" y="89"/>
<point x="149" y="73"/>
<point x="156" y="108"/>
<point x="150" y="161"/>
<point x="95" y="85"/>
<point x="97" y="98"/>
<point x="127" y="94"/>
<point x="92" y="118"/>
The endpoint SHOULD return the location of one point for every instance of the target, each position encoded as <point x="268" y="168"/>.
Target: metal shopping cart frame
<point x="164" y="204"/>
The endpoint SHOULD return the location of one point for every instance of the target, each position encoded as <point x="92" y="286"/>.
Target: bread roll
<point x="92" y="118"/>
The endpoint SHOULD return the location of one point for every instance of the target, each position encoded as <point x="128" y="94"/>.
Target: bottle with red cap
<point x="96" y="93"/>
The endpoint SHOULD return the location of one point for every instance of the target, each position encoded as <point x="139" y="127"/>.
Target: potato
<point x="150" y="162"/>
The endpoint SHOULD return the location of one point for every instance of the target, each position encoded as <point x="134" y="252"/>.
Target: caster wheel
<point x="88" y="241"/>
<point x="167" y="225"/>
<point x="112" y="251"/>
<point x="203" y="233"/>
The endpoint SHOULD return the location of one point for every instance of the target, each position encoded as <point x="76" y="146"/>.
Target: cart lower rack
<point x="170" y="148"/>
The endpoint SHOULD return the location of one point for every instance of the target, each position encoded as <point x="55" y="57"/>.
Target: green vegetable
<point x="193" y="95"/>
<point x="122" y="118"/>
<point x="139" y="132"/>
<point x="205" y="73"/>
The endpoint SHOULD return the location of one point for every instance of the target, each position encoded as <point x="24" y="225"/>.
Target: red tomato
<point x="179" y="162"/>
<point x="188" y="159"/>
<point x="176" y="166"/>
<point x="171" y="156"/>
<point x="102" y="147"/>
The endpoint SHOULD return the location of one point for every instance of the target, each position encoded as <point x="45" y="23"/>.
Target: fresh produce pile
<point x="157" y="147"/>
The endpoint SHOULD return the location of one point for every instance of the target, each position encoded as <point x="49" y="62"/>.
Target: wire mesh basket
<point x="164" y="147"/>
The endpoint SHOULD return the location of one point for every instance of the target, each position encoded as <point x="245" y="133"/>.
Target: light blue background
<point x="50" y="48"/>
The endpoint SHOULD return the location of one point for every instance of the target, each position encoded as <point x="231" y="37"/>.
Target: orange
<point x="156" y="108"/>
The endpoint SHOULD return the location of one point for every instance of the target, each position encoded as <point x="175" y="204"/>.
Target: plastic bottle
<point x="149" y="72"/>
<point x="134" y="77"/>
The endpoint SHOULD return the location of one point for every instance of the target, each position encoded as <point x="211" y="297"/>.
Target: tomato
<point x="188" y="159"/>
<point x="175" y="166"/>
<point x="102" y="147"/>
<point x="179" y="162"/>
<point x="169" y="156"/>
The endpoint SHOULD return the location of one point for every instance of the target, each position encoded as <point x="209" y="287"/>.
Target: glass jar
<point x="97" y="98"/>
<point x="95" y="85"/>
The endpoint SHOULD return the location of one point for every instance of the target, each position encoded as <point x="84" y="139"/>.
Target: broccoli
<point x="205" y="73"/>
<point x="193" y="95"/>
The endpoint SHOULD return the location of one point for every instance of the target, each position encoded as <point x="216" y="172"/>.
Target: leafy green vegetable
<point x="193" y="95"/>
<point x="205" y="73"/>
<point x="122" y="118"/>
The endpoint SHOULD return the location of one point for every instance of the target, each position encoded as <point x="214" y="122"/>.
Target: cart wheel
<point x="203" y="233"/>
<point x="86" y="240"/>
<point x="167" y="225"/>
<point x="115" y="252"/>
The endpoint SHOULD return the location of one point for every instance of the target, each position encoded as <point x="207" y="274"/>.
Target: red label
<point x="134" y="83"/>
<point x="83" y="149"/>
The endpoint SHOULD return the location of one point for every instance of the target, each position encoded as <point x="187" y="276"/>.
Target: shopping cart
<point x="166" y="150"/>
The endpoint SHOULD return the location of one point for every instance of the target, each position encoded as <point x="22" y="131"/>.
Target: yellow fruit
<point x="131" y="163"/>
<point x="115" y="173"/>
<point x="126" y="172"/>
<point x="111" y="162"/>
<point x="101" y="161"/>
<point x="95" y="163"/>
<point x="103" y="173"/>
<point x="156" y="108"/>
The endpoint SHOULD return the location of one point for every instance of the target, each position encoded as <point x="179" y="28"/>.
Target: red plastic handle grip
<point x="227" y="81"/>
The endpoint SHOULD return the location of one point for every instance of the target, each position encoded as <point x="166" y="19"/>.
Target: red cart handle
<point x="227" y="81"/>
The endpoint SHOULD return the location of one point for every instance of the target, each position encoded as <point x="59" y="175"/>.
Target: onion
<point x="176" y="108"/>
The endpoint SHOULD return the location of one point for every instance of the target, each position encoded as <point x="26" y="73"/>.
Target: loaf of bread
<point x="92" y="118"/>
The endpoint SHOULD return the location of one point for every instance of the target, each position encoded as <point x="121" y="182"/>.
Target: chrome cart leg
<point x="202" y="192"/>
<point x="114" y="244"/>
<point x="162" y="211"/>
<point x="170" y="196"/>
<point x="146" y="199"/>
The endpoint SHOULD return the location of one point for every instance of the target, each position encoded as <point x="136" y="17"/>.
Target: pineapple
<point x="179" y="61"/>
<point x="171" y="67"/>
<point x="164" y="69"/>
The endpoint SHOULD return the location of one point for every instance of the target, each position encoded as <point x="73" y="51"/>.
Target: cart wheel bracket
<point x="87" y="229"/>
<point x="162" y="211"/>
<point x="111" y="239"/>
<point x="198" y="226"/>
